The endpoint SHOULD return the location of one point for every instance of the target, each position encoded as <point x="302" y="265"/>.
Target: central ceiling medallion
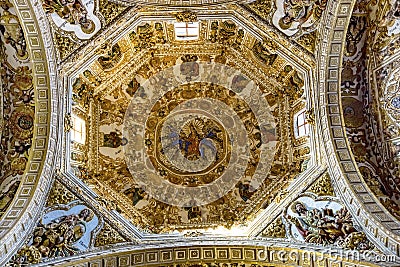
<point x="191" y="144"/>
<point x="196" y="132"/>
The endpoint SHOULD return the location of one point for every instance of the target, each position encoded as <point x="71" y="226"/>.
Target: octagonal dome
<point x="182" y="134"/>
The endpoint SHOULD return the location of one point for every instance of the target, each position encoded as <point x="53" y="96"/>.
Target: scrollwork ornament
<point x="67" y="123"/>
<point x="275" y="229"/>
<point x="186" y="16"/>
<point x="326" y="222"/>
<point x="310" y="116"/>
<point x="280" y="196"/>
<point x="108" y="236"/>
<point x="59" y="194"/>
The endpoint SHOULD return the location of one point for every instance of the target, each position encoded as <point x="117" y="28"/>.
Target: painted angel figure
<point x="73" y="11"/>
<point x="321" y="226"/>
<point x="301" y="12"/>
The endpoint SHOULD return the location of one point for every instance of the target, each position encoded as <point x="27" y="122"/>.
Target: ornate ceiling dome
<point x="199" y="133"/>
<point x="187" y="135"/>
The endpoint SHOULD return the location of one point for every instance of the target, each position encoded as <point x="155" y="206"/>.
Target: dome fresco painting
<point x="199" y="133"/>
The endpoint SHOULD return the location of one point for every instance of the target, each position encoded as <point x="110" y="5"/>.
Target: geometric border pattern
<point x="25" y="208"/>
<point x="195" y="253"/>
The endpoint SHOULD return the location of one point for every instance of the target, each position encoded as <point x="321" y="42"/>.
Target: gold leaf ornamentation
<point x="323" y="186"/>
<point x="275" y="229"/>
<point x="108" y="236"/>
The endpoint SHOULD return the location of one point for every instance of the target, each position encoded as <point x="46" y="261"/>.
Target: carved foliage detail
<point x="275" y="229"/>
<point x="263" y="8"/>
<point x="59" y="194"/>
<point x="65" y="45"/>
<point x="110" y="10"/>
<point x="323" y="186"/>
<point x="108" y="236"/>
<point x="186" y="16"/>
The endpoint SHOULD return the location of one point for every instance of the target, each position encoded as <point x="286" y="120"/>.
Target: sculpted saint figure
<point x="301" y="11"/>
<point x="324" y="226"/>
<point x="57" y="238"/>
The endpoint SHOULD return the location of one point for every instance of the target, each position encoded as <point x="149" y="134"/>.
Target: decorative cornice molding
<point x="215" y="250"/>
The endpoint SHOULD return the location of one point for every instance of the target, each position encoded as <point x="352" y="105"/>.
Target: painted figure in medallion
<point x="245" y="190"/>
<point x="113" y="139"/>
<point x="111" y="58"/>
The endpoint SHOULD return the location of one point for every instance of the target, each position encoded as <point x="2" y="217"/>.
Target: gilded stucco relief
<point x="318" y="217"/>
<point x="74" y="16"/>
<point x="298" y="17"/>
<point x="324" y="221"/>
<point x="75" y="23"/>
<point x="60" y="233"/>
<point x="67" y="226"/>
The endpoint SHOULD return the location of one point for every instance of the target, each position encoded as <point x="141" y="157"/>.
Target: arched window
<point x="186" y="31"/>
<point x="78" y="132"/>
<point x="300" y="124"/>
